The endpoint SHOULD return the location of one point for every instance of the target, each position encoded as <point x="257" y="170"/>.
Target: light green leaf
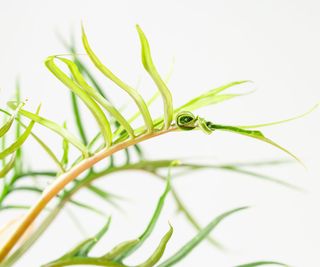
<point x="211" y="97"/>
<point x="77" y="117"/>
<point x="98" y="97"/>
<point x="20" y="140"/>
<point x="281" y="121"/>
<point x="142" y="238"/>
<point x="65" y="147"/>
<point x="85" y="247"/>
<point x="132" y="92"/>
<point x="5" y="128"/>
<point x="151" y="69"/>
<point x="187" y="248"/>
<point x="54" y="127"/>
<point x="96" y="111"/>
<point x="120" y="248"/>
<point x="260" y="263"/>
<point x="8" y="166"/>
<point x="156" y="256"/>
<point x="39" y="141"/>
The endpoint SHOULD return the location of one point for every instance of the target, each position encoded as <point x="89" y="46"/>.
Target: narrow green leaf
<point x="80" y="261"/>
<point x="77" y="117"/>
<point x="142" y="238"/>
<point x="8" y="166"/>
<point x="98" y="97"/>
<point x="151" y="69"/>
<point x="132" y="92"/>
<point x="187" y="248"/>
<point x="82" y="249"/>
<point x="211" y="97"/>
<point x="19" y="160"/>
<point x="120" y="248"/>
<point x="39" y="141"/>
<point x="7" y="125"/>
<point x="65" y="147"/>
<point x="54" y="127"/>
<point x="96" y="111"/>
<point x="157" y="254"/>
<point x="251" y="133"/>
<point x="280" y="121"/>
<point x="182" y="208"/>
<point x="20" y="140"/>
<point x="260" y="263"/>
<point x="240" y="170"/>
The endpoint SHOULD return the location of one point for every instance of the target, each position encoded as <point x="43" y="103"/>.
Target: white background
<point x="274" y="43"/>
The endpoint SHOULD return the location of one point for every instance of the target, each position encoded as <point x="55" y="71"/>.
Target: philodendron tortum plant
<point x="114" y="133"/>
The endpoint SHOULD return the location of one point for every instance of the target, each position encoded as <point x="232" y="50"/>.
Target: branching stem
<point x="59" y="184"/>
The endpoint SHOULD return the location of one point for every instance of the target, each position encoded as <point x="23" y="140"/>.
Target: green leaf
<point x="54" y="127"/>
<point x="132" y="92"/>
<point x="187" y="248"/>
<point x="77" y="117"/>
<point x="5" y="128"/>
<point x="260" y="263"/>
<point x="65" y="147"/>
<point x="86" y="246"/>
<point x="8" y="166"/>
<point x="182" y="208"/>
<point x="280" y="121"/>
<point x="253" y="134"/>
<point x="151" y="69"/>
<point x="96" y="111"/>
<point x="157" y="254"/>
<point x="142" y="238"/>
<point x="120" y="248"/>
<point x="98" y="97"/>
<point x="39" y="141"/>
<point x="211" y="97"/>
<point x="20" y="140"/>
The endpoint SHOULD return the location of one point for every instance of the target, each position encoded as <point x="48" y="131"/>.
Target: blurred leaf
<point x="54" y="127"/>
<point x="65" y="147"/>
<point x="157" y="254"/>
<point x="187" y="248"/>
<point x="77" y="116"/>
<point x="120" y="248"/>
<point x="8" y="166"/>
<point x="20" y="140"/>
<point x="281" y="121"/>
<point x="142" y="238"/>
<point x="86" y="246"/>
<point x="5" y="128"/>
<point x="39" y="141"/>
<point x="260" y="263"/>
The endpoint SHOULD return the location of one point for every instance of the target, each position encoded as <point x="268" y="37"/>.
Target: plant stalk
<point x="64" y="179"/>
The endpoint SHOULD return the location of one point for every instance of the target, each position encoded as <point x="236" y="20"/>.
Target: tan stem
<point x="60" y="183"/>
